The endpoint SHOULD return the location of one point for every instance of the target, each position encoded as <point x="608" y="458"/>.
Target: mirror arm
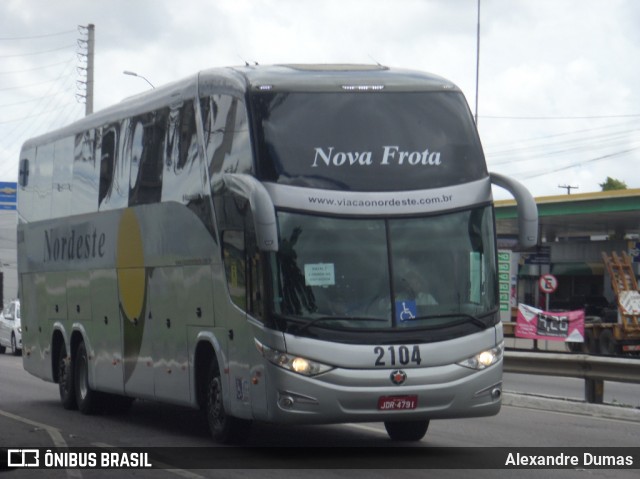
<point x="264" y="213"/>
<point x="527" y="209"/>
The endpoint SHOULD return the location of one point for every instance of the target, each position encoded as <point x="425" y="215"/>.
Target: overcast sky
<point x="559" y="89"/>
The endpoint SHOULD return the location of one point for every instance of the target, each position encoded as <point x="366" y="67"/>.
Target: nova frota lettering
<point x="390" y="155"/>
<point x="340" y="158"/>
<point x="73" y="246"/>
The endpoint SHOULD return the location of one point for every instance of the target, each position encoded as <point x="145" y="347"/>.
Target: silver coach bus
<point x="291" y="244"/>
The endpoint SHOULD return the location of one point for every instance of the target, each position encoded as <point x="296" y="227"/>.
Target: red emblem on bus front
<point x="398" y="377"/>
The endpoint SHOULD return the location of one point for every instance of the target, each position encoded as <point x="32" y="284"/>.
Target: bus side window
<point x="254" y="273"/>
<point x="107" y="161"/>
<point x="145" y="148"/>
<point x="228" y="146"/>
<point x="233" y="251"/>
<point x="242" y="263"/>
<point x="62" y="177"/>
<point x="182" y="176"/>
<point x="187" y="141"/>
<point x="85" y="174"/>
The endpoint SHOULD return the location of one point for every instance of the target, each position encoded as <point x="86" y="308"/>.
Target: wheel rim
<point x="62" y="375"/>
<point x="82" y="374"/>
<point x="216" y="408"/>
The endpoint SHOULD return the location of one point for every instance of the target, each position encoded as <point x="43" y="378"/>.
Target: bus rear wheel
<point x="224" y="428"/>
<point x="406" y="430"/>
<point x="86" y="398"/>
<point x="66" y="383"/>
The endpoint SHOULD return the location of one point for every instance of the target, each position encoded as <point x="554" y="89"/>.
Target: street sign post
<point x="548" y="284"/>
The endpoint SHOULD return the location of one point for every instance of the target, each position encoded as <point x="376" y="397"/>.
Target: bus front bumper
<point x="356" y="395"/>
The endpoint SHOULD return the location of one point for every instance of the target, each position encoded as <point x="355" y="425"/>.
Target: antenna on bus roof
<point x="246" y="63"/>
<point x="374" y="60"/>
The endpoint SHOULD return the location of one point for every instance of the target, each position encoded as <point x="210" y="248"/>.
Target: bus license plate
<point x="397" y="403"/>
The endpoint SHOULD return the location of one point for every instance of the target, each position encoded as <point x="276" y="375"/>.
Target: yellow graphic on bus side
<point x="132" y="287"/>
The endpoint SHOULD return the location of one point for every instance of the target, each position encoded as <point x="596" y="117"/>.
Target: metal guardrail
<point x="594" y="369"/>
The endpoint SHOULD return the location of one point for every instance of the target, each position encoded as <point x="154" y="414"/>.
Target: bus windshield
<point x="356" y="274"/>
<point x="366" y="141"/>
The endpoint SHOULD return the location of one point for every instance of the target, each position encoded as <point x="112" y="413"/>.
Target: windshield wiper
<point x="470" y="317"/>
<point x="308" y="324"/>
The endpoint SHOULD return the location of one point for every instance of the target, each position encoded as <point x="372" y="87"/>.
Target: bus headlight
<point x="297" y="364"/>
<point x="484" y="359"/>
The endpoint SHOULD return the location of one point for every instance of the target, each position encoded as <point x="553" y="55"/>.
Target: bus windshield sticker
<point x="406" y="310"/>
<point x="319" y="274"/>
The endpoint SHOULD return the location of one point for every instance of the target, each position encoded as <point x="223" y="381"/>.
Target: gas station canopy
<point x="611" y="213"/>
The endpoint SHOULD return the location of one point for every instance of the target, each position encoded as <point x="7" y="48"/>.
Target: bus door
<point x="243" y="271"/>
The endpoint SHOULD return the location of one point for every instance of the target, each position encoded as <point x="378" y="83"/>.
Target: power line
<point x="16" y="133"/>
<point x="581" y="163"/>
<point x="566" y="133"/>
<point x="597" y="142"/>
<point x="33" y="37"/>
<point x="35" y="115"/>
<point x="16" y="55"/>
<point x="21" y="87"/>
<point x="24" y="102"/>
<point x="27" y="70"/>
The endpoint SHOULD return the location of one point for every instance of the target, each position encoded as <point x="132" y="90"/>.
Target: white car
<point x="11" y="328"/>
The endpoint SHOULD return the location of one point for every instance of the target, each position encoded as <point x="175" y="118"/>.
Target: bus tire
<point x="406" y="430"/>
<point x="224" y="428"/>
<point x="86" y="398"/>
<point x="66" y="384"/>
<point x="2" y="349"/>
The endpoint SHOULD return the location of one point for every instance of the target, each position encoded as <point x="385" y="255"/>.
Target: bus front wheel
<point x="224" y="428"/>
<point x="406" y="430"/>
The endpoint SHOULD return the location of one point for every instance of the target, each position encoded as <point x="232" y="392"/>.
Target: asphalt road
<point x="31" y="416"/>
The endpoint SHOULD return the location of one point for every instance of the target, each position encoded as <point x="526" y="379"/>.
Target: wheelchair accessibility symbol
<point x="406" y="310"/>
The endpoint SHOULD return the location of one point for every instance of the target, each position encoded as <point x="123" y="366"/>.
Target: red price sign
<point x="548" y="283"/>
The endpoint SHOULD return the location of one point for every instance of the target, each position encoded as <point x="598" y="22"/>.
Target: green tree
<point x="613" y="184"/>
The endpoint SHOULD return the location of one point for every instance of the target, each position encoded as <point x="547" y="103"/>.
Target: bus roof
<point x="241" y="80"/>
<point x="337" y="77"/>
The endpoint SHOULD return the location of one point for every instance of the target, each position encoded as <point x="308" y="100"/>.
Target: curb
<point x="570" y="406"/>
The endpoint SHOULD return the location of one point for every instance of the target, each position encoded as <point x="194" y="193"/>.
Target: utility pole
<point x="568" y="188"/>
<point x="91" y="44"/>
<point x="86" y="53"/>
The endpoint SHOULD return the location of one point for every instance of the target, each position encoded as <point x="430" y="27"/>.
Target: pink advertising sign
<point x="533" y="323"/>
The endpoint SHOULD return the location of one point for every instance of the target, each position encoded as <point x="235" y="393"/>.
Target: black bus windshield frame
<point x="366" y="141"/>
<point x="389" y="274"/>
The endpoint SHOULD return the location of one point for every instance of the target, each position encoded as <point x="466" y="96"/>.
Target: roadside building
<point x="574" y="232"/>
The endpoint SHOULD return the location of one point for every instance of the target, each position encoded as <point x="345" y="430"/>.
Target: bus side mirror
<point x="526" y="208"/>
<point x="23" y="173"/>
<point x="264" y="213"/>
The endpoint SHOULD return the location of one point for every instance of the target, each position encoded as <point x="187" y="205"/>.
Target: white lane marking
<point x="54" y="434"/>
